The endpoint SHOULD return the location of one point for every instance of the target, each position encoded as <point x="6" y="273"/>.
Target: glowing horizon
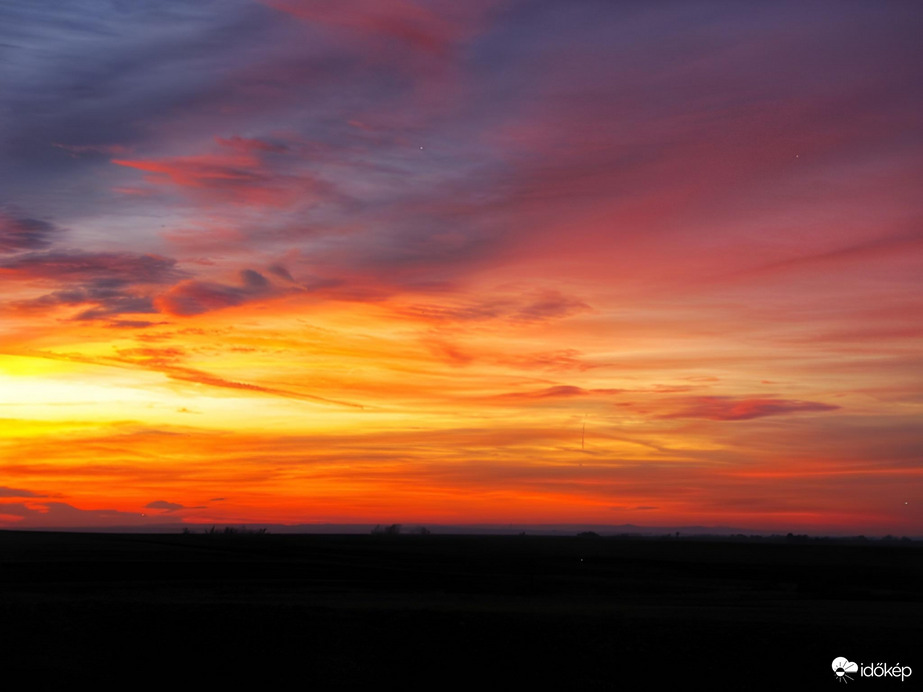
<point x="304" y="262"/>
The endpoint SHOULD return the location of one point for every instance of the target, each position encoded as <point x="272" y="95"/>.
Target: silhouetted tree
<point x="392" y="530"/>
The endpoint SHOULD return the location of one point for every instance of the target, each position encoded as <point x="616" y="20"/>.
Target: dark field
<point x="414" y="612"/>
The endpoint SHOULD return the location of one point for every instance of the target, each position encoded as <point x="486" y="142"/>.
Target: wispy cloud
<point x="558" y="392"/>
<point x="534" y="307"/>
<point x="19" y="234"/>
<point x="200" y="377"/>
<point x="727" y="408"/>
<point x="394" y="255"/>
<point x="167" y="361"/>
<point x="243" y="171"/>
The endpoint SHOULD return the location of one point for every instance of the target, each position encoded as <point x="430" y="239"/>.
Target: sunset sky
<point x="442" y="262"/>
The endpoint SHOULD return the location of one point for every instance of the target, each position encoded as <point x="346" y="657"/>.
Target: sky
<point x="499" y="261"/>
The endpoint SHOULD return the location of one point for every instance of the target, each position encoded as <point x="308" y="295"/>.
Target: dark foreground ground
<point x="416" y="612"/>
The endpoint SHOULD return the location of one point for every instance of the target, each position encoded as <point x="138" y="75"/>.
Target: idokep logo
<point x="842" y="667"/>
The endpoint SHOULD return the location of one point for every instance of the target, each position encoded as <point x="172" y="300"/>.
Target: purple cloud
<point x="197" y="297"/>
<point x="18" y="234"/>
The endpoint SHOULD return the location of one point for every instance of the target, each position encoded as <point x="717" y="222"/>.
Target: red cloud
<point x="239" y="173"/>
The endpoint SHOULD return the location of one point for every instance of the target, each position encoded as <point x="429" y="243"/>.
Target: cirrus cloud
<point x="732" y="408"/>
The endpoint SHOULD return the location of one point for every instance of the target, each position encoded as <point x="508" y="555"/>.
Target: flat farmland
<point x="414" y="612"/>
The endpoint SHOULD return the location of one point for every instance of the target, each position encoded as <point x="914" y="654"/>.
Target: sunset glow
<point x="298" y="261"/>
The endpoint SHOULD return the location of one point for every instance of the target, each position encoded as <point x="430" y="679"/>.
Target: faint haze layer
<point x="497" y="261"/>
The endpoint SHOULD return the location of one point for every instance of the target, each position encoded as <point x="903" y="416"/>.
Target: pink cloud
<point x="242" y="171"/>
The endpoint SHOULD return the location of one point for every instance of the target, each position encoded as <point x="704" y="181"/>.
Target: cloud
<point x="15" y="492"/>
<point x="168" y="507"/>
<point x="194" y="297"/>
<point x="563" y="359"/>
<point x="619" y="147"/>
<point x="559" y="392"/>
<point x="18" y="234"/>
<point x="63" y="515"/>
<point x="549" y="305"/>
<point x="105" y="302"/>
<point x="280" y="271"/>
<point x="538" y="307"/>
<point x="109" y="284"/>
<point x="249" y="145"/>
<point x="201" y="377"/>
<point x="404" y="23"/>
<point x="106" y="284"/>
<point x="731" y="408"/>
<point x="101" y="268"/>
<point x="246" y="172"/>
<point x="67" y="113"/>
<point x="164" y="363"/>
<point x="132" y="324"/>
<point x="152" y="356"/>
<point x="198" y="297"/>
<point x="861" y="253"/>
<point x="98" y="149"/>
